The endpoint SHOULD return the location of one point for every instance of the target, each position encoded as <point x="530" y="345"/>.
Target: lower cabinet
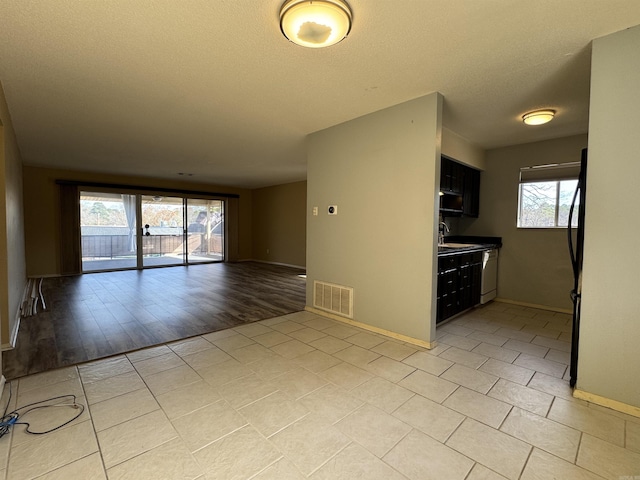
<point x="459" y="282"/>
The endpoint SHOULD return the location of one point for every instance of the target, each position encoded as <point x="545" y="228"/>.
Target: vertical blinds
<point x="549" y="173"/>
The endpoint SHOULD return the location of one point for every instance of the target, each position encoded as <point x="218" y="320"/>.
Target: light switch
<point x="332" y="210"/>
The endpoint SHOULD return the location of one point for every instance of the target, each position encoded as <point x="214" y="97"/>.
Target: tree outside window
<point x="546" y="204"/>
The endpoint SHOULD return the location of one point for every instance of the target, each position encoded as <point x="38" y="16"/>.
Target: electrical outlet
<point x="315" y="211"/>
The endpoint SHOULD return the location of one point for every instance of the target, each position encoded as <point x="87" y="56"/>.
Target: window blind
<point x="550" y="173"/>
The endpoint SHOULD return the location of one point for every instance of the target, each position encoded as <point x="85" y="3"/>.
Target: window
<point x="545" y="196"/>
<point x="131" y="230"/>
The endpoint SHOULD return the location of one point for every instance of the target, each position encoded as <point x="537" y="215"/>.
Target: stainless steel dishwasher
<point x="489" y="283"/>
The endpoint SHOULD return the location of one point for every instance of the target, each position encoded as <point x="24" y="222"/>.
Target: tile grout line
<point x="524" y="465"/>
<point x="575" y="459"/>
<point x="264" y="469"/>
<point x="351" y="442"/>
<point x="95" y="433"/>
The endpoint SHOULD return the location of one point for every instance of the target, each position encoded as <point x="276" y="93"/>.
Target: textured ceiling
<point x="212" y="87"/>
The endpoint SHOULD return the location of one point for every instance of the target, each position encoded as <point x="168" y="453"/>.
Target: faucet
<point x="441" y="228"/>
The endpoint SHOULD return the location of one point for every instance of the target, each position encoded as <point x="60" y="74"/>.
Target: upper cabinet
<point x="451" y="177"/>
<point x="461" y="188"/>
<point x="471" y="192"/>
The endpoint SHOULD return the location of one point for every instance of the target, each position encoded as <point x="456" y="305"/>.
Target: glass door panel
<point x="205" y="230"/>
<point x="108" y="231"/>
<point x="162" y="223"/>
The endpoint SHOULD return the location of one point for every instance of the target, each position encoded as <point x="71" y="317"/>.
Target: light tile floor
<point x="302" y="396"/>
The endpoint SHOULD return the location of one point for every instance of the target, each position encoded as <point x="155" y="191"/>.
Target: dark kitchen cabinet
<point x="476" y="280"/>
<point x="459" y="278"/>
<point x="469" y="274"/>
<point x="471" y="193"/>
<point x="464" y="276"/>
<point x="448" y="286"/>
<point x="461" y="188"/>
<point x="451" y="176"/>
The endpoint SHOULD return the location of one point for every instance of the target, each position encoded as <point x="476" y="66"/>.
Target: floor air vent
<point x="333" y="298"/>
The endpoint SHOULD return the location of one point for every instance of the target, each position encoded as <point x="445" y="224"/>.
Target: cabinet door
<point x="447" y="294"/>
<point x="451" y="176"/>
<point x="457" y="178"/>
<point x="447" y="286"/>
<point x="445" y="174"/>
<point x="471" y="196"/>
<point x="464" y="287"/>
<point x="476" y="283"/>
<point x="476" y="278"/>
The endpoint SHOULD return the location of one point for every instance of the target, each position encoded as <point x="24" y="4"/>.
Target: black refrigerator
<point x="576" y="252"/>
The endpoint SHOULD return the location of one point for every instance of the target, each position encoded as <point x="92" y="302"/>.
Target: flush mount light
<point x="315" y="23"/>
<point x="539" y="117"/>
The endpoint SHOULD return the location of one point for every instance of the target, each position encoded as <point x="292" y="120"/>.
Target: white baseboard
<point x="3" y="382"/>
<point x="534" y="305"/>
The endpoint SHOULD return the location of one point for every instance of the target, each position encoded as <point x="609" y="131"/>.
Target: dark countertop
<point x="476" y="244"/>
<point x="447" y="251"/>
<point x="477" y="239"/>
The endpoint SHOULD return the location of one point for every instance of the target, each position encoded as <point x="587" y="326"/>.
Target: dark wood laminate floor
<point x="102" y="314"/>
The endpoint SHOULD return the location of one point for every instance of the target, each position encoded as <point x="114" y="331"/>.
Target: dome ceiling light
<point x="538" y="117"/>
<point x="315" y="23"/>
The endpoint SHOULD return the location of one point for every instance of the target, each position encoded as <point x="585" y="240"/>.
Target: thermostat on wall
<point x="332" y="210"/>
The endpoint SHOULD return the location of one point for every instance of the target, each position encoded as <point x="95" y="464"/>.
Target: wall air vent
<point x="333" y="298"/>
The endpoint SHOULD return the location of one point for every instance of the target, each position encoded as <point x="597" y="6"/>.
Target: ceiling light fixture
<point x="315" y="23"/>
<point x="538" y="117"/>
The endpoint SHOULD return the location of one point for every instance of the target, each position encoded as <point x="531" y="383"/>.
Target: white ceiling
<point x="211" y="87"/>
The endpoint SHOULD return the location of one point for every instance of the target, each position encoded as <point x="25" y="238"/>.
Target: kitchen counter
<point x="456" y="244"/>
<point x="467" y="274"/>
<point x="454" y="249"/>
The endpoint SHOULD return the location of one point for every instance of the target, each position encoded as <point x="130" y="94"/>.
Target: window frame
<point x="555" y="173"/>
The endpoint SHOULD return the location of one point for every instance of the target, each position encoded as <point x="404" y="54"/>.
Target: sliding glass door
<point x="162" y="223"/>
<point x="108" y="231"/>
<point x="124" y="231"/>
<point x="205" y="220"/>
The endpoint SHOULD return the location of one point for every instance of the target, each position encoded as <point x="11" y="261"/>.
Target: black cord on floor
<point x="10" y="419"/>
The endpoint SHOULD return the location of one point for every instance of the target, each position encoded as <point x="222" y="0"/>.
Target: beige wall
<point x="279" y="224"/>
<point x="382" y="171"/>
<point x="533" y="265"/>
<point x="42" y="217"/>
<point x="12" y="246"/>
<point x="460" y="149"/>
<point x="609" y="358"/>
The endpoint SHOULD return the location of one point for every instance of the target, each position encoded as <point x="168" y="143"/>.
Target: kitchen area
<point x="383" y="242"/>
<point x="467" y="264"/>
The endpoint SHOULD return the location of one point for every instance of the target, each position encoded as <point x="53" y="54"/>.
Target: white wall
<point x="609" y="356"/>
<point x="382" y="170"/>
<point x="534" y="265"/>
